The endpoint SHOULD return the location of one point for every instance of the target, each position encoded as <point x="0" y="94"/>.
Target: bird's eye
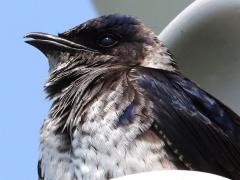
<point x="107" y="40"/>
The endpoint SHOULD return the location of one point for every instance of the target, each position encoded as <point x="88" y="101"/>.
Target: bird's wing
<point x="198" y="127"/>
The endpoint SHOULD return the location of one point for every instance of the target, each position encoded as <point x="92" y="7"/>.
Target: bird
<point x="120" y="105"/>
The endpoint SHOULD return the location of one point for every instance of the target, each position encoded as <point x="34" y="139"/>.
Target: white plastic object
<point x="172" y="175"/>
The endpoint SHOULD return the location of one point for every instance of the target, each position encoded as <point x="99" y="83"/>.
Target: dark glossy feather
<point x="204" y="131"/>
<point x="40" y="176"/>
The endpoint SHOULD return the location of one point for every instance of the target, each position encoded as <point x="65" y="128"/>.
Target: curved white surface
<point x="205" y="40"/>
<point x="172" y="175"/>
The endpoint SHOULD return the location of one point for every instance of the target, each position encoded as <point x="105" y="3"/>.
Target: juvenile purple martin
<point x="120" y="106"/>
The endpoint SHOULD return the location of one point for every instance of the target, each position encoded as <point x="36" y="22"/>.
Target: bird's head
<point x="87" y="60"/>
<point x="104" y="41"/>
<point x="113" y="41"/>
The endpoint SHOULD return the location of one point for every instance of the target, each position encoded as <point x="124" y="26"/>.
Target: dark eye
<point x="107" y="40"/>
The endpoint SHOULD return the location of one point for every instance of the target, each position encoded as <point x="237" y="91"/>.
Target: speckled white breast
<point x="100" y="149"/>
<point x="106" y="156"/>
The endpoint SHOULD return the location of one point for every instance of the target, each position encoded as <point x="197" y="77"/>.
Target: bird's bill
<point x="46" y="42"/>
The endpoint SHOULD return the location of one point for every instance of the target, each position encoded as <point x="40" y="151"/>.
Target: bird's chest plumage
<point x="113" y="140"/>
<point x="106" y="155"/>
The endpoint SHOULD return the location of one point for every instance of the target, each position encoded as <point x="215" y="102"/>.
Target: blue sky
<point x="23" y="73"/>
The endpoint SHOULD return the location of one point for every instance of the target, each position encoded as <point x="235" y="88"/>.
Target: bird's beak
<point x="46" y="42"/>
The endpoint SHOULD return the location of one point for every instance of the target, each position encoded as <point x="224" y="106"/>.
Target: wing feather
<point x="203" y="129"/>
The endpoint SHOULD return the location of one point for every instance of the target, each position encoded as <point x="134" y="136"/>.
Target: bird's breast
<point x="111" y="143"/>
<point x="113" y="139"/>
<point x="108" y="153"/>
